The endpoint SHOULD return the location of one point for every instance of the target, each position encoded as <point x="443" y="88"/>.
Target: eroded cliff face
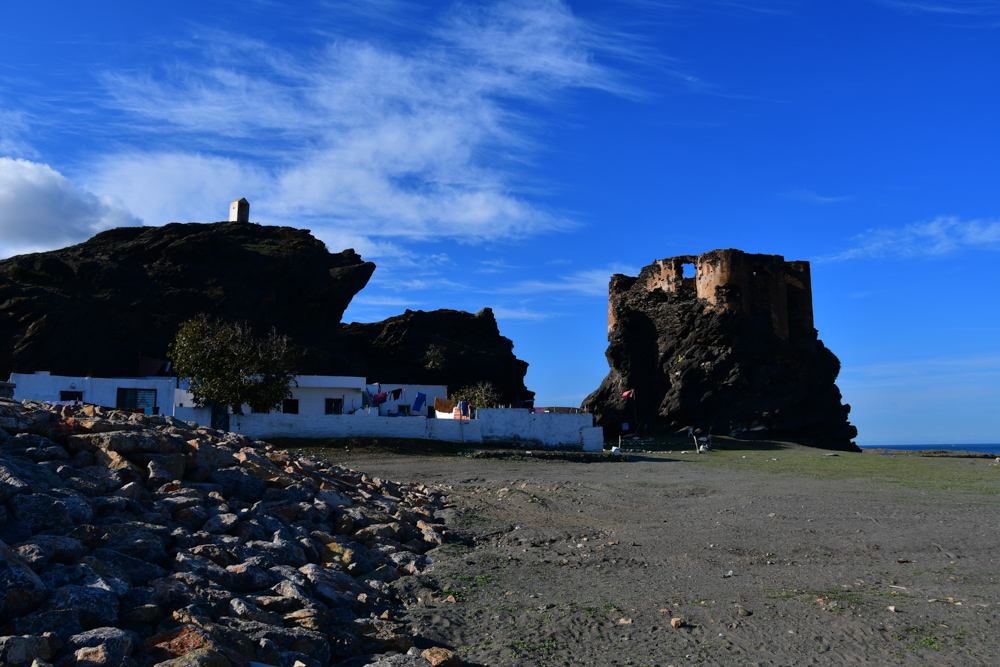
<point x="104" y="306"/>
<point x="729" y="349"/>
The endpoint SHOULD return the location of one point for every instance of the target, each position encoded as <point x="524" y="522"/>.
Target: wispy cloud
<point x="591" y="282"/>
<point x="930" y="368"/>
<point x="933" y="400"/>
<point x="673" y="7"/>
<point x="366" y="300"/>
<point x="13" y="129"/>
<point x="427" y="142"/>
<point x="812" y="198"/>
<point x="495" y="266"/>
<point x="954" y="7"/>
<point x="941" y="236"/>
<point x="502" y="313"/>
<point x="41" y="209"/>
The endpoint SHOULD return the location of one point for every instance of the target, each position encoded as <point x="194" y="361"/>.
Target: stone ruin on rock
<point x="723" y="342"/>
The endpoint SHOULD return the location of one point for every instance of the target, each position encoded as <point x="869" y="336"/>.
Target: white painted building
<point x="312" y="395"/>
<point x="323" y="406"/>
<point x="152" y="395"/>
<point x="321" y="396"/>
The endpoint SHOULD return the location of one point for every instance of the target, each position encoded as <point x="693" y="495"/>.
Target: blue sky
<point x="516" y="154"/>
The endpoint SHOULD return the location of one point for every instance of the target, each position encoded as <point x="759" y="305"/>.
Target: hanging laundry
<point x="443" y="405"/>
<point x="419" y="403"/>
<point x="465" y="408"/>
<point x="396" y="393"/>
<point x="380" y="398"/>
<point x="627" y="394"/>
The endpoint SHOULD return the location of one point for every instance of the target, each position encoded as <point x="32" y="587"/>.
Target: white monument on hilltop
<point x="239" y="210"/>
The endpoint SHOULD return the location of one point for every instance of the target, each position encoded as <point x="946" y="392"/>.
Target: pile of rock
<point x="128" y="539"/>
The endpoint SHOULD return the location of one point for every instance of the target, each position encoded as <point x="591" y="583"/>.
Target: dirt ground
<point x="782" y="556"/>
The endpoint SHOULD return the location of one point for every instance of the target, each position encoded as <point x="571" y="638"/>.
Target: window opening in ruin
<point x="71" y="396"/>
<point x="688" y="270"/>
<point x="290" y="406"/>
<point x="334" y="406"/>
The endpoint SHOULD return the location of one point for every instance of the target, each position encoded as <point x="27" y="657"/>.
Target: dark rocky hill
<point x="731" y="349"/>
<point x="111" y="306"/>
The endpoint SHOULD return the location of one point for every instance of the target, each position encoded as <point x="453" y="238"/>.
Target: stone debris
<point x="138" y="540"/>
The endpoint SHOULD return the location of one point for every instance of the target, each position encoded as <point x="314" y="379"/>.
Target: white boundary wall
<point x="541" y="429"/>
<point x="547" y="429"/>
<point x="354" y="426"/>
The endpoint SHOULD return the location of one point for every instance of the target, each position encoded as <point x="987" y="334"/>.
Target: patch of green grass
<point x="519" y="648"/>
<point x="916" y="472"/>
<point x="454" y="549"/>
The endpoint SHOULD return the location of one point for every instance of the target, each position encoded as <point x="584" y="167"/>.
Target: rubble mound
<point x="136" y="540"/>
<point x="730" y="350"/>
<point x="111" y="306"/>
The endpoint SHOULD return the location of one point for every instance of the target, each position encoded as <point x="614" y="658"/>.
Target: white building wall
<point x="202" y="416"/>
<point x="99" y="391"/>
<point x="311" y="392"/>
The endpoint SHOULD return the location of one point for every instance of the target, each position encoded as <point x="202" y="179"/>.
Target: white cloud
<point x="939" y="237"/>
<point x="41" y="209"/>
<point x="425" y="142"/>
<point x="179" y="187"/>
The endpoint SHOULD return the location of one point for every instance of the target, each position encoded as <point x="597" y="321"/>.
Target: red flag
<point x="627" y="394"/>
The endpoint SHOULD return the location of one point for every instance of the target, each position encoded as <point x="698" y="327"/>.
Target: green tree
<point x="226" y="364"/>
<point x="480" y="395"/>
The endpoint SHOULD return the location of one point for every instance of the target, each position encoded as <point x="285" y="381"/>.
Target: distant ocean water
<point x="986" y="448"/>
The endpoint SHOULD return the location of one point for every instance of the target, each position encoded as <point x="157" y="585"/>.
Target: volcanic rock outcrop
<point x="136" y="540"/>
<point x="111" y="306"/>
<point x="729" y="349"/>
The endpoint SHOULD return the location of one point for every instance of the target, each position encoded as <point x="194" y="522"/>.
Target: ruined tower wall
<point x="798" y="283"/>
<point x="732" y="280"/>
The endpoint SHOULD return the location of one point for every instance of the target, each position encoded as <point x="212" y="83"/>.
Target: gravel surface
<point x="776" y="557"/>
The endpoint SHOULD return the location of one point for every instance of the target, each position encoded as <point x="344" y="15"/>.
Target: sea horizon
<point x="986" y="448"/>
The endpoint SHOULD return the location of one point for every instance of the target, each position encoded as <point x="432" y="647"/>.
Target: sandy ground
<point x="775" y="557"/>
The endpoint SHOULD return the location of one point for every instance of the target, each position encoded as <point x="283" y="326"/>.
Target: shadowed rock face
<point x="726" y="364"/>
<point x="97" y="308"/>
<point x="440" y="347"/>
